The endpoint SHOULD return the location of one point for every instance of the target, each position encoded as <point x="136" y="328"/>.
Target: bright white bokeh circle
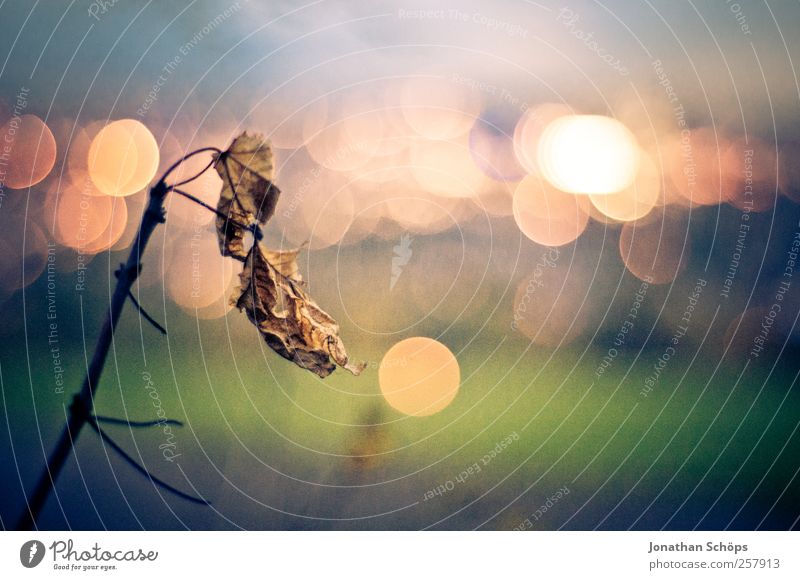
<point x="588" y="154"/>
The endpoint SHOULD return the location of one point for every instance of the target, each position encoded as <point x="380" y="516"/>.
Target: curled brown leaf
<point x="272" y="291"/>
<point x="292" y="324"/>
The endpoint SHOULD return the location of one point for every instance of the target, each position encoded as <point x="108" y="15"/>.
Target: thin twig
<point x="144" y="313"/>
<point x="196" y="175"/>
<point x="136" y="424"/>
<point x="106" y="439"/>
<point x="254" y="229"/>
<point x="175" y="165"/>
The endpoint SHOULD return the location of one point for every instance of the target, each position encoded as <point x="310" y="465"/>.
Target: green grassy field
<point x="714" y="444"/>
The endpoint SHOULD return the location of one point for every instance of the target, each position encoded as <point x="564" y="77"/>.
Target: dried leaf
<point x="272" y="292"/>
<point x="248" y="195"/>
<point x="284" y="262"/>
<point x="292" y="324"/>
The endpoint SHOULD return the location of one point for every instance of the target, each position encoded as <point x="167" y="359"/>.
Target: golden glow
<point x="78" y="158"/>
<point x="133" y="208"/>
<point x="328" y="222"/>
<point x="183" y="212"/>
<point x="31" y="151"/>
<point x="548" y="216"/>
<point x="420" y="211"/>
<point x="321" y="211"/>
<point x="198" y="276"/>
<point x="116" y="227"/>
<point x="223" y="304"/>
<point x="352" y="136"/>
<point x="392" y="163"/>
<point x="419" y="376"/>
<point x="753" y="167"/>
<point x="446" y="168"/>
<point x="287" y="115"/>
<point x="588" y="154"/>
<point x="123" y="158"/>
<point x="696" y="160"/>
<point x="80" y="219"/>
<point x="635" y="201"/>
<point x="528" y="131"/>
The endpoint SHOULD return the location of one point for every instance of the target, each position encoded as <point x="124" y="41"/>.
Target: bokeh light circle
<point x="696" y="161"/>
<point x="548" y="216"/>
<point x="419" y="376"/>
<point x="438" y="108"/>
<point x="446" y="168"/>
<point x="635" y="201"/>
<point x="29" y="151"/>
<point x="655" y="250"/>
<point x="123" y="158"/>
<point x="588" y="154"/>
<point x="198" y="276"/>
<point x="80" y="219"/>
<point x="529" y="129"/>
